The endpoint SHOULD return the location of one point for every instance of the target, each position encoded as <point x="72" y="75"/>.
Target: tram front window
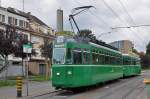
<point x="59" y="55"/>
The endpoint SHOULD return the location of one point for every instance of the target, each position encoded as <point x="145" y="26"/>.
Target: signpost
<point x="27" y="48"/>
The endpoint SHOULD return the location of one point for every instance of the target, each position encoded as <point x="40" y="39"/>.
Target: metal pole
<point x="0" y="3"/>
<point x="23" y="5"/>
<point x="27" y="81"/>
<point x="71" y="16"/>
<point x="71" y="25"/>
<point x="22" y="67"/>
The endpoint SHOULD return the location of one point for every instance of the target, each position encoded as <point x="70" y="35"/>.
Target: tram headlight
<point x="57" y="74"/>
<point x="69" y="72"/>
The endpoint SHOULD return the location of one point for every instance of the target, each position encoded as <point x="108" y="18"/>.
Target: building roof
<point x="31" y="32"/>
<point x="26" y="15"/>
<point x="121" y="41"/>
<point x="3" y="8"/>
<point x="16" y="11"/>
<point x="32" y="17"/>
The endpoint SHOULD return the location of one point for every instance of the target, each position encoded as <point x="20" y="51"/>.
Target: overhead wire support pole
<point x="96" y="16"/>
<point x="71" y="25"/>
<point x="71" y="16"/>
<point x="84" y="8"/>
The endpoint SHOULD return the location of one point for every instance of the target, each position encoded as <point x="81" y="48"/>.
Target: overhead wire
<point x="113" y="12"/>
<point x="97" y="17"/>
<point x="123" y="6"/>
<point x="94" y="15"/>
<point x="118" y="17"/>
<point x="130" y="17"/>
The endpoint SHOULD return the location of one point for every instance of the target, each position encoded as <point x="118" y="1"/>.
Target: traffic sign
<point x="27" y="48"/>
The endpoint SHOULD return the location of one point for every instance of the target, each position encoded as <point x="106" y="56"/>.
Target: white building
<point x="10" y="18"/>
<point x="31" y="27"/>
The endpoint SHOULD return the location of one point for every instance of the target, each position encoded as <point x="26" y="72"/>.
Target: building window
<point x="21" y="23"/>
<point x="27" y="25"/>
<point x="24" y="24"/>
<point x="26" y="37"/>
<point x="16" y="21"/>
<point x="0" y="17"/>
<point x="3" y="18"/>
<point x="9" y="20"/>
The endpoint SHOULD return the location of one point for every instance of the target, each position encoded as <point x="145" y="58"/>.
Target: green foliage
<point x="39" y="78"/>
<point x="145" y="60"/>
<point x="135" y="51"/>
<point x="148" y="49"/>
<point x="46" y="48"/>
<point x="7" y="83"/>
<point x="87" y="34"/>
<point x="11" y="42"/>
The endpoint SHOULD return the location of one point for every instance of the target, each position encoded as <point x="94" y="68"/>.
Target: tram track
<point x="132" y="89"/>
<point x="124" y="85"/>
<point x="52" y="93"/>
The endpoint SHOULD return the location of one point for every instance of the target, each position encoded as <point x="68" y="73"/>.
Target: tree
<point x="135" y="51"/>
<point x="148" y="49"/>
<point x="7" y="45"/>
<point x="46" y="50"/>
<point x="11" y="43"/>
<point x="86" y="33"/>
<point x="145" y="60"/>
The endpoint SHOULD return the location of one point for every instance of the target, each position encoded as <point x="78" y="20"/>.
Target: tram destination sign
<point x="60" y="39"/>
<point x="59" y="45"/>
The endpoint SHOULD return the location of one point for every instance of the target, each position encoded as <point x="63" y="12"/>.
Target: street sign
<point x="27" y="48"/>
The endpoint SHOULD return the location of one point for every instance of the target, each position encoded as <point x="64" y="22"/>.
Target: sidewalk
<point x="35" y="88"/>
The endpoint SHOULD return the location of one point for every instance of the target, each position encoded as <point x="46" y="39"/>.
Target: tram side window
<point x="126" y="62"/>
<point x="95" y="59"/>
<point x="86" y="56"/>
<point x="107" y="59"/>
<point x="77" y="56"/>
<point x="69" y="60"/>
<point x="118" y="60"/>
<point x="112" y="60"/>
<point x="137" y="62"/>
<point x="134" y="62"/>
<point x="101" y="59"/>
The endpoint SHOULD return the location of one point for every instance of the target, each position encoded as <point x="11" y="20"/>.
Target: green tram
<point x="77" y="64"/>
<point x="131" y="65"/>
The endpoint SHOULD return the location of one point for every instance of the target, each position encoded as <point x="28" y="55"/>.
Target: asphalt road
<point x="129" y="88"/>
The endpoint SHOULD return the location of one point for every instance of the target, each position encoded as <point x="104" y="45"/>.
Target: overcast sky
<point x="99" y="20"/>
